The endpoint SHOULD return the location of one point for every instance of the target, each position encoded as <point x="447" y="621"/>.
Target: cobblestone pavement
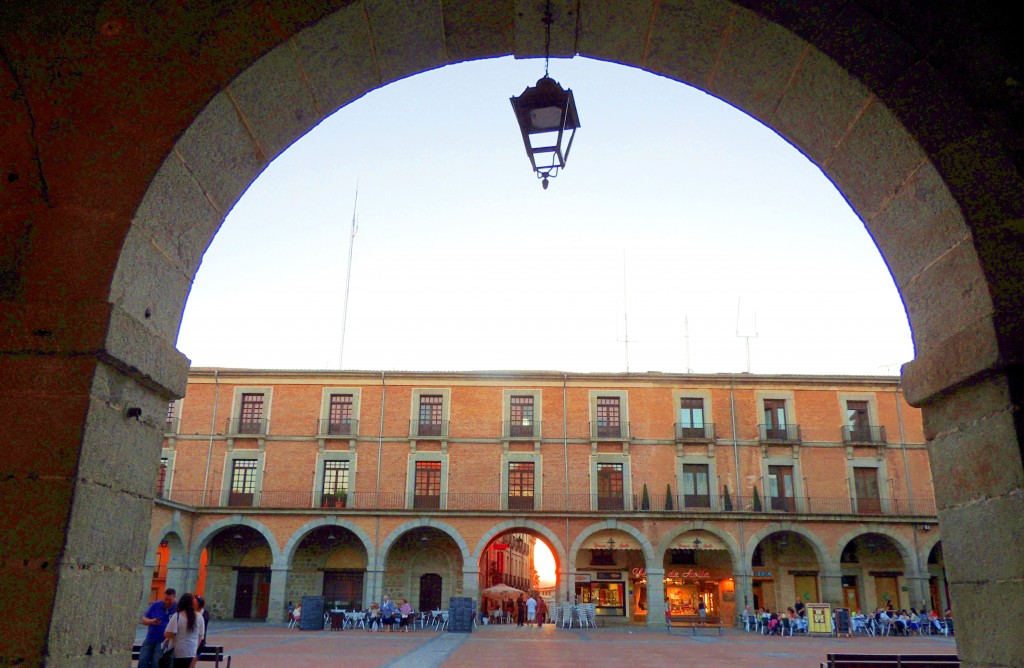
<point x="265" y="646"/>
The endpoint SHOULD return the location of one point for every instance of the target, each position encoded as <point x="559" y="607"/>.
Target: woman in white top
<point x="185" y="629"/>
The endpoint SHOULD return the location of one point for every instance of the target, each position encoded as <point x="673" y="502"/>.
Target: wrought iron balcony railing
<point x="602" y="431"/>
<point x="428" y="429"/>
<point x="867" y="434"/>
<point x="680" y="504"/>
<point x="522" y="429"/>
<point x="242" y="427"/>
<point x="690" y="432"/>
<point x="342" y="428"/>
<point x="772" y="433"/>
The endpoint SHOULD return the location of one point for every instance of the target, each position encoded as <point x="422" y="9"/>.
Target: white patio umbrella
<point x="502" y="591"/>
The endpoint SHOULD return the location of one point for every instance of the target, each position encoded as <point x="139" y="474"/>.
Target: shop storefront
<point x="606" y="590"/>
<point x="698" y="568"/>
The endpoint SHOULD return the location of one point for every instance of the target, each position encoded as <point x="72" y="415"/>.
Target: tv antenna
<point x="348" y="279"/>
<point x="747" y="336"/>
<point x="625" y="312"/>
<point x="686" y="335"/>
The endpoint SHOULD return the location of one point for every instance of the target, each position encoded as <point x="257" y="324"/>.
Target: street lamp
<point x="611" y="543"/>
<point x="547" y="118"/>
<point x="696" y="543"/>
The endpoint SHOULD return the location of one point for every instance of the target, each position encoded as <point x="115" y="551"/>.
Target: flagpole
<point x="348" y="280"/>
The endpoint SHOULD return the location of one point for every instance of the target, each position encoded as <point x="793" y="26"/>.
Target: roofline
<point x="552" y="375"/>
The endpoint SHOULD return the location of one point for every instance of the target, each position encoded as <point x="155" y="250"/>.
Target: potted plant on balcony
<point x="645" y="500"/>
<point x="668" y="496"/>
<point x="727" y="500"/>
<point x="757" y="500"/>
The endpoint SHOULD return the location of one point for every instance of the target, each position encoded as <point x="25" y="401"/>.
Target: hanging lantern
<point x="547" y="117"/>
<point x="548" y="120"/>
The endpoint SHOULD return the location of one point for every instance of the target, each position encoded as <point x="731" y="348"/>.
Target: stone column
<point x="917" y="586"/>
<point x="84" y="394"/>
<point x="656" y="597"/>
<point x="374" y="585"/>
<point x="832" y="588"/>
<point x="744" y="593"/>
<point x="277" y="609"/>
<point x="975" y="435"/>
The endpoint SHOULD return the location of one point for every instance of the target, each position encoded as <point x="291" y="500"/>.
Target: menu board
<point x="819" y="619"/>
<point x="843" y="622"/>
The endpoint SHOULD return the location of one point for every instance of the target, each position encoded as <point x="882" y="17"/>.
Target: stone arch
<point x="169" y="529"/>
<point x="926" y="548"/>
<point x="637" y="535"/>
<point x="941" y="174"/>
<point x="731" y="543"/>
<point x="430" y="522"/>
<point x="203" y="539"/>
<point x="821" y="552"/>
<point x="288" y="551"/>
<point x="522" y="523"/>
<point x="906" y="550"/>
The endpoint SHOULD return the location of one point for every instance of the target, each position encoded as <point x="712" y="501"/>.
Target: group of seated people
<point x="788" y="622"/>
<point x="905" y="622"/>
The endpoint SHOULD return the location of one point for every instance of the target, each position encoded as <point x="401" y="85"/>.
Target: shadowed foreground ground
<point x="258" y="645"/>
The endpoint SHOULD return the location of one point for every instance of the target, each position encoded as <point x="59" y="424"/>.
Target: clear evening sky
<point x="463" y="262"/>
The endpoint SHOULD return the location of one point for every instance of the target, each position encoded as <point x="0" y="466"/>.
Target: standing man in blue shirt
<point x="156" y="617"/>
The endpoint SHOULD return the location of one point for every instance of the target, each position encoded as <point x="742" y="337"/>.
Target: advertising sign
<point x="819" y="619"/>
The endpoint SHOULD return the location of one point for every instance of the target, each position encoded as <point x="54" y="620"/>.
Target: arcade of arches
<point x="130" y="131"/>
<point x="247" y="571"/>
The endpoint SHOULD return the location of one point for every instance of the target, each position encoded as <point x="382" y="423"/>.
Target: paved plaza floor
<point x="258" y="645"/>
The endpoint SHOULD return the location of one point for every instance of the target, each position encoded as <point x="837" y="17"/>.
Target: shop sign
<point x="612" y="540"/>
<point x="694" y="574"/>
<point x="762" y="574"/>
<point x="697" y="540"/>
<point x="609" y="576"/>
<point x="583" y="577"/>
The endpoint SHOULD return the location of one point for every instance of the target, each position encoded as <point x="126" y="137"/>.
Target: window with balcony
<point x="696" y="492"/>
<point x="250" y="416"/>
<point x="243" y="482"/>
<point x="780" y="488"/>
<point x="161" y="478"/>
<point x="169" y="428"/>
<point x="520" y="485"/>
<point x="520" y="415"/>
<point x="339" y="415"/>
<point x="427" y="485"/>
<point x="610" y="491"/>
<point x="858" y="427"/>
<point x="865" y="485"/>
<point x="609" y="423"/>
<point x="431" y="417"/>
<point x="775" y="420"/>
<point x="691" y="418"/>
<point x="334" y="491"/>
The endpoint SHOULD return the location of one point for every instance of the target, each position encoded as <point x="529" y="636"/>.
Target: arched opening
<point x="874" y="574"/>
<point x="238" y="573"/>
<point x="699" y="576"/>
<point x="942" y="175"/>
<point x="424" y="565"/>
<point x="785" y="570"/>
<point x="171" y="560"/>
<point x="938" y="585"/>
<point x="609" y="565"/>
<point x="516" y="561"/>
<point x="330" y="561"/>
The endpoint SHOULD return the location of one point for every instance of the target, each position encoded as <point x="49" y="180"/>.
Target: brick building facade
<point x="650" y="489"/>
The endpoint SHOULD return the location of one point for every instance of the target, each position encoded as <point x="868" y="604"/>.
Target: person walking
<point x="201" y="609"/>
<point x="521" y="610"/>
<point x="542" y="611"/>
<point x="184" y="630"/>
<point x="531" y="610"/>
<point x="155" y="618"/>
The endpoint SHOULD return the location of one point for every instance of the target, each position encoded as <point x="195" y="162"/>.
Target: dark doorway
<point x="344" y="589"/>
<point x="252" y="593"/>
<point x="430" y="592"/>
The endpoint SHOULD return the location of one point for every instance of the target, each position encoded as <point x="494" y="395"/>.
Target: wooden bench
<point x="693" y="622"/>
<point x="889" y="660"/>
<point x="210" y="654"/>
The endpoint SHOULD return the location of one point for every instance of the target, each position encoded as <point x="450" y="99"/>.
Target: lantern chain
<point x="548" y="20"/>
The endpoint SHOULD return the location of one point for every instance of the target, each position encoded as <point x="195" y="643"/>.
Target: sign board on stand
<point x="819" y="619"/>
<point x="844" y="625"/>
